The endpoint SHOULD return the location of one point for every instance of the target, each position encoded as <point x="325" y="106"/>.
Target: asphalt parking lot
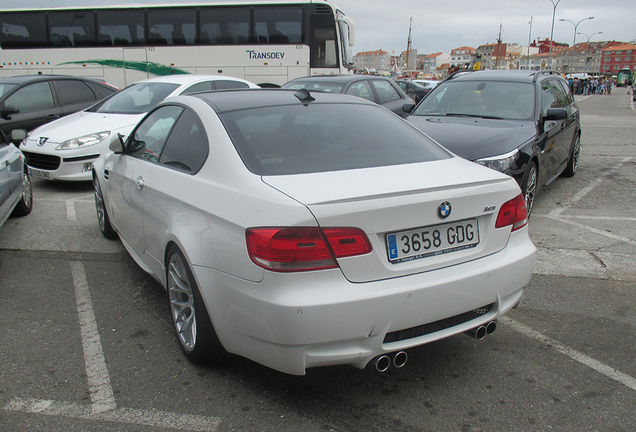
<point x="88" y="345"/>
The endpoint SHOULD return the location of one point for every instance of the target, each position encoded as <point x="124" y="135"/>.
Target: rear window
<point x="298" y="139"/>
<point x="326" y="87"/>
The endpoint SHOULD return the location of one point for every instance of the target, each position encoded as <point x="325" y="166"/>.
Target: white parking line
<point x="588" y="361"/>
<point x="70" y="210"/>
<point x="103" y="407"/>
<point x="153" y="418"/>
<point x="98" y="379"/>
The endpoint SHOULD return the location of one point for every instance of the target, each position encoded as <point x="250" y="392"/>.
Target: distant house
<point x="618" y="57"/>
<point x="463" y="57"/>
<point x="432" y="62"/>
<point x="377" y="60"/>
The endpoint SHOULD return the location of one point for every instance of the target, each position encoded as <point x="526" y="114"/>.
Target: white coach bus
<point x="266" y="42"/>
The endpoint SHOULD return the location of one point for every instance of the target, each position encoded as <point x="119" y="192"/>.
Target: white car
<point x="16" y="192"/>
<point x="427" y="84"/>
<point x="65" y="149"/>
<point x="304" y="229"/>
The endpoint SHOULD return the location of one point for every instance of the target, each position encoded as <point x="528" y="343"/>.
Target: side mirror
<point x="18" y="135"/>
<point x="117" y="144"/>
<point x="7" y="111"/>
<point x="556" y="114"/>
<point x="408" y="107"/>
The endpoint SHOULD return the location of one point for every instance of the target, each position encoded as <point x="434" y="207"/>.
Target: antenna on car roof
<point x="304" y="96"/>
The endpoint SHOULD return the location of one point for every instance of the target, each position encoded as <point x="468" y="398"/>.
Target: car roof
<point x="21" y="79"/>
<point x="184" y="79"/>
<point x="501" y="75"/>
<point x="345" y="78"/>
<point x="231" y="100"/>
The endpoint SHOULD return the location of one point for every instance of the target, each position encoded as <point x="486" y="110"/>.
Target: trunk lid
<point x="404" y="200"/>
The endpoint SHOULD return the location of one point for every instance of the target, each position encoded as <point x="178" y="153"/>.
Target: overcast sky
<point x="443" y="25"/>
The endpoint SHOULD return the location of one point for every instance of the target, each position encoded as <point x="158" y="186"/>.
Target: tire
<point x="102" y="215"/>
<point x="191" y="322"/>
<point x="529" y="185"/>
<point x="573" y="161"/>
<point x="25" y="205"/>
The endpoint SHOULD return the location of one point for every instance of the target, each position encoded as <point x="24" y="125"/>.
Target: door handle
<point x="139" y="181"/>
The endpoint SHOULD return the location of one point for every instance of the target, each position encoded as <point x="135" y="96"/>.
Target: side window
<point x="187" y="148"/>
<point x="224" y="26"/>
<point x="72" y="92"/>
<point x="361" y="89"/>
<point x="229" y="84"/>
<point x="172" y="27"/>
<point x="199" y="87"/>
<point x="386" y="92"/>
<point x="150" y="136"/>
<point x="33" y="97"/>
<point x="121" y="28"/>
<point x="552" y="96"/>
<point x="566" y="90"/>
<point x="72" y="29"/>
<point x="278" y="25"/>
<point x="23" y="30"/>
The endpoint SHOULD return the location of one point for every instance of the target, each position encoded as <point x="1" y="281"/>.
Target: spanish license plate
<point x="432" y="240"/>
<point x="39" y="173"/>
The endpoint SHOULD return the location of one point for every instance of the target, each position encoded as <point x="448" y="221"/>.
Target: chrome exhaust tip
<point x="478" y="332"/>
<point x="382" y="363"/>
<point x="400" y="358"/>
<point x="491" y="327"/>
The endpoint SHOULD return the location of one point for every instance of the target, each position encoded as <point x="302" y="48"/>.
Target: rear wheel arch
<point x="192" y="323"/>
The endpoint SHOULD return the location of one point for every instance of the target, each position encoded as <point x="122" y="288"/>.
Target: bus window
<point x="120" y="28"/>
<point x="278" y="25"/>
<point x="22" y="30"/>
<point x="172" y="27"/>
<point x="72" y="29"/>
<point x="224" y="26"/>
<point x="323" y="42"/>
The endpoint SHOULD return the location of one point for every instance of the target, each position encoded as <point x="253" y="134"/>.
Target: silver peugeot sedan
<point x="304" y="229"/>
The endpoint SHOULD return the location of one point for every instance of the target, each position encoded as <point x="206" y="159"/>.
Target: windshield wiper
<point x="473" y="115"/>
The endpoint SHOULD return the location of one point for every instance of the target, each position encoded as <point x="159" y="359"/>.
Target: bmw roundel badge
<point x="444" y="210"/>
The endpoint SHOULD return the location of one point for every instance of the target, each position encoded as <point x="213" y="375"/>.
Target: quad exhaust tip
<point x="384" y="362"/>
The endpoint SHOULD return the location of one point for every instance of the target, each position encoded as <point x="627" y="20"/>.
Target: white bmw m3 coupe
<point x="304" y="229"/>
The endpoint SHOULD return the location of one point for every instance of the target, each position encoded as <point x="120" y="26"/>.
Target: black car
<point x="523" y="123"/>
<point x="380" y="90"/>
<point x="29" y="101"/>
<point x="414" y="90"/>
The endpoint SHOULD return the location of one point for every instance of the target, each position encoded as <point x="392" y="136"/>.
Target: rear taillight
<point x="513" y="213"/>
<point x="304" y="248"/>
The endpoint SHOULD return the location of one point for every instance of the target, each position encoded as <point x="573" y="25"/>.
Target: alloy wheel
<point x="182" y="302"/>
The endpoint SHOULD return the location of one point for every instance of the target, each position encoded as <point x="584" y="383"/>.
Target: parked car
<point x="427" y="84"/>
<point x="16" y="194"/>
<point x="380" y="90"/>
<point x="414" y="90"/>
<point x="525" y="124"/>
<point x="65" y="149"/>
<point x="303" y="229"/>
<point x="29" y="101"/>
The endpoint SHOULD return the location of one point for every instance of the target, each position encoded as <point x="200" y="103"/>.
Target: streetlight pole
<point x="529" y="38"/>
<point x="571" y="68"/>
<point x="587" y="46"/>
<point x="552" y="31"/>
